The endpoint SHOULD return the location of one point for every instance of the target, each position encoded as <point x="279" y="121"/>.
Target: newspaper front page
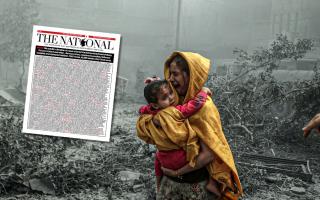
<point x="71" y="83"/>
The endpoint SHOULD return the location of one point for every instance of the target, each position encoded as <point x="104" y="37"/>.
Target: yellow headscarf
<point x="199" y="67"/>
<point x="205" y="124"/>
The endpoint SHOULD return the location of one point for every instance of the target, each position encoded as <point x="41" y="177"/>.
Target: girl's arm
<point x="146" y="109"/>
<point x="205" y="157"/>
<point x="195" y="104"/>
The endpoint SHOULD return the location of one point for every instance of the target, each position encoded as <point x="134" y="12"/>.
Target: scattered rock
<point x="152" y="148"/>
<point x="284" y="197"/>
<point x="141" y="150"/>
<point x="272" y="179"/>
<point x="42" y="185"/>
<point x="316" y="187"/>
<point x="138" y="188"/>
<point x="134" y="196"/>
<point x="129" y="176"/>
<point x="301" y="184"/>
<point x="298" y="190"/>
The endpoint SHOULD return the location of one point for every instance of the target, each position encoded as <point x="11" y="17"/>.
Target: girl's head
<point x="159" y="94"/>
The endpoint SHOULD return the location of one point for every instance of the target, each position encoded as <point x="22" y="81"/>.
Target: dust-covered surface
<point x="41" y="167"/>
<point x="260" y="116"/>
<point x="62" y="168"/>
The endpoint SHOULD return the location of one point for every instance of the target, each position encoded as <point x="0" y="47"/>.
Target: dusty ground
<point x="135" y="178"/>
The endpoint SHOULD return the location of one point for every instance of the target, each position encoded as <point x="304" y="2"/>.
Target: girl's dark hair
<point x="152" y="89"/>
<point x="181" y="62"/>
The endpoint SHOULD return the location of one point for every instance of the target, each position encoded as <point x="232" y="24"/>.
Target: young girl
<point x="160" y="96"/>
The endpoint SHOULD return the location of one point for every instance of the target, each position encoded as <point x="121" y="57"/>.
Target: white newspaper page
<point x="71" y="83"/>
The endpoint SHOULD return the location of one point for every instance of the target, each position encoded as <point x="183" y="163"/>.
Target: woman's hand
<point x="169" y="172"/>
<point x="205" y="157"/>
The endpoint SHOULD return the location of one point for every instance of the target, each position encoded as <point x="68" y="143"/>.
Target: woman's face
<point x="179" y="79"/>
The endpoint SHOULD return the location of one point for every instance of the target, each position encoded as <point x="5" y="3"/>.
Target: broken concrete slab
<point x="298" y="190"/>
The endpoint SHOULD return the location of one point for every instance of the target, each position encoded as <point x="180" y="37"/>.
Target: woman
<point x="187" y="72"/>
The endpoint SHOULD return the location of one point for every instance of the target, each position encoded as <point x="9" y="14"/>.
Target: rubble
<point x="129" y="176"/>
<point x="290" y="167"/>
<point x="298" y="190"/>
<point x="42" y="185"/>
<point x="272" y="179"/>
<point x="138" y="188"/>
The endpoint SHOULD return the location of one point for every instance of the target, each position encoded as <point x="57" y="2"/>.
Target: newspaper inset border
<point x="69" y="68"/>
